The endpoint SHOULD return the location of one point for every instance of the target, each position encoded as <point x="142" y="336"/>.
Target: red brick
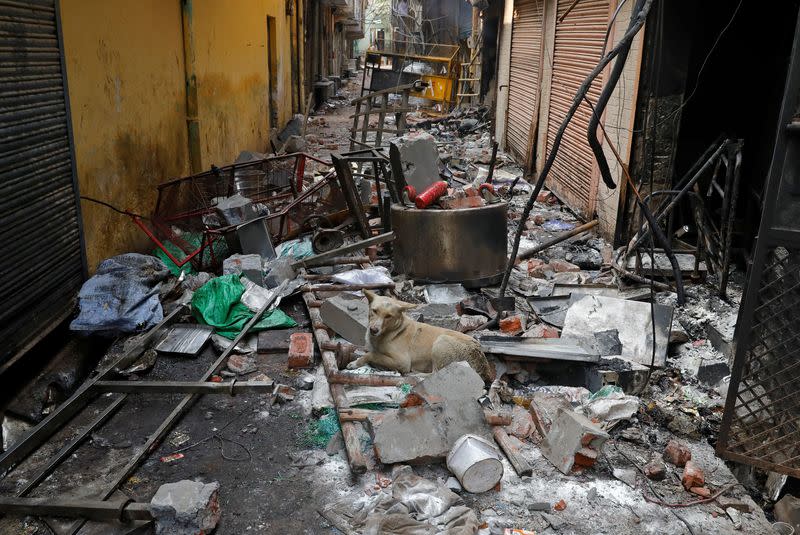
<point x="454" y="203"/>
<point x="540" y="271"/>
<point x="301" y="350"/>
<point x="677" y="453"/>
<point x="511" y="325"/>
<point x="542" y="331"/>
<point x="562" y="266"/>
<point x="470" y="191"/>
<point x="700" y="491"/>
<point x="692" y="476"/>
<point x="585" y="458"/>
<point x="546" y="197"/>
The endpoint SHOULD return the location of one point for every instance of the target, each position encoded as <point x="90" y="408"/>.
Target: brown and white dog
<point x="396" y="342"/>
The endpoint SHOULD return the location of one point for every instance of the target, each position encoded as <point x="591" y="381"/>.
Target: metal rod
<point x="47" y="427"/>
<point x="67" y="450"/>
<point x="184" y="387"/>
<point x="666" y="210"/>
<point x="343" y="378"/>
<point x="188" y="400"/>
<point x="348" y="287"/>
<point x="492" y="163"/>
<point x="313" y="261"/>
<point x="99" y="510"/>
<point x="558" y="239"/>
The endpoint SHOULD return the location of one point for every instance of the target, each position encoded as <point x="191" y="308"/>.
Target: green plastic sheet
<point x="217" y="303"/>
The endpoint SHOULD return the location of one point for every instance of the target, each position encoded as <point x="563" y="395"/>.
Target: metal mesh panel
<point x="765" y="422"/>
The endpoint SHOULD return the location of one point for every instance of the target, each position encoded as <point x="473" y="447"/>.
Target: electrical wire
<point x="111" y="206"/>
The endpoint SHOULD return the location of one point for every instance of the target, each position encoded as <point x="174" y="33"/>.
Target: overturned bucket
<point x="476" y="463"/>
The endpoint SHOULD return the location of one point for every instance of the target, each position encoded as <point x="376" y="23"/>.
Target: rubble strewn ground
<point x="598" y="461"/>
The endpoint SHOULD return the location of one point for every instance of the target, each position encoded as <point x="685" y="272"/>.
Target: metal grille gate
<point x="43" y="263"/>
<point x="761" y="424"/>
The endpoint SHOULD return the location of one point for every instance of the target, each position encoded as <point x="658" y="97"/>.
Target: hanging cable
<point x="602" y="101"/>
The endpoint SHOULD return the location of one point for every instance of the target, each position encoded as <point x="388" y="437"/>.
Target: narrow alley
<point x="366" y="267"/>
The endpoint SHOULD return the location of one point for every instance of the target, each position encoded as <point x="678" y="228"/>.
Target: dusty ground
<point x="246" y="444"/>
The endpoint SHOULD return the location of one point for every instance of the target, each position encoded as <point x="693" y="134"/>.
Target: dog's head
<point x="385" y="313"/>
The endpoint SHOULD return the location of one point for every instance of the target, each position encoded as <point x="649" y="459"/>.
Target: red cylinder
<point x="430" y="195"/>
<point x="411" y="192"/>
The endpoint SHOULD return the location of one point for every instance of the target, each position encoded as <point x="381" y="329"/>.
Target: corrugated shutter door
<point x="523" y="90"/>
<point x="578" y="49"/>
<point x="42" y="264"/>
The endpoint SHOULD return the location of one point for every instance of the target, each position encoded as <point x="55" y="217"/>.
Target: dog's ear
<point x="405" y="306"/>
<point x="370" y="295"/>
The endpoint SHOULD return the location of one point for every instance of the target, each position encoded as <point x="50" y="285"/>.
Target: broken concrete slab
<point x="348" y="316"/>
<point x="249" y="265"/>
<point x="456" y="382"/>
<point x="470" y="322"/>
<point x="186" y="508"/>
<point x="573" y="440"/>
<point x="437" y="314"/>
<point x="536" y="348"/>
<point x="445" y="408"/>
<point x="419" y="158"/>
<point x="591" y="314"/>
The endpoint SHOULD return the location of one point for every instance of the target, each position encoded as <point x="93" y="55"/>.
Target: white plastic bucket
<point x="476" y="463"/>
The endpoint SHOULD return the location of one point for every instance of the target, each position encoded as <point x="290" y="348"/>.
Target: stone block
<point x="470" y="322"/>
<point x="348" y="316"/>
<point x="419" y="158"/>
<point x="248" y="265"/>
<point x="655" y="470"/>
<point x="439" y="314"/>
<point x="572" y="435"/>
<point x="186" y="508"/>
<point x="445" y="407"/>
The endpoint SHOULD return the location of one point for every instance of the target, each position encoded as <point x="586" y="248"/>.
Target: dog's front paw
<point x="354" y="365"/>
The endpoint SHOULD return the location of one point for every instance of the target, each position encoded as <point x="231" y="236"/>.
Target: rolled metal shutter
<point x="578" y="49"/>
<point x="43" y="262"/>
<point x="523" y="90"/>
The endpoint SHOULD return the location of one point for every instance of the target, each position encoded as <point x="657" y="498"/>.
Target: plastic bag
<point x="372" y="275"/>
<point x="218" y="303"/>
<point x="122" y="296"/>
<point x="295" y="249"/>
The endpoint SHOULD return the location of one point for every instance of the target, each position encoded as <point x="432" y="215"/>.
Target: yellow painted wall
<point x="126" y="89"/>
<point x="232" y="75"/>
<point x="125" y="64"/>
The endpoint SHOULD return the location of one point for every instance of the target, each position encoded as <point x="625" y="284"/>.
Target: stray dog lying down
<point x="396" y="342"/>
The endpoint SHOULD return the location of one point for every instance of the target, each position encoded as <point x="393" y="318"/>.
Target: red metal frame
<point x="219" y="182"/>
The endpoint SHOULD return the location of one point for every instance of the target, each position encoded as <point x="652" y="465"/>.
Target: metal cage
<point x="761" y="424"/>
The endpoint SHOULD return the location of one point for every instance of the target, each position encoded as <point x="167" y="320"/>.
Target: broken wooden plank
<point x="520" y="464"/>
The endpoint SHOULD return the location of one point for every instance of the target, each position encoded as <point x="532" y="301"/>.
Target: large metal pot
<point x="467" y="245"/>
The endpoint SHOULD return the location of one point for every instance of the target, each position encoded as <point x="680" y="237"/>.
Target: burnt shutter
<point x="43" y="262"/>
<point x="578" y="49"/>
<point x="523" y="90"/>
